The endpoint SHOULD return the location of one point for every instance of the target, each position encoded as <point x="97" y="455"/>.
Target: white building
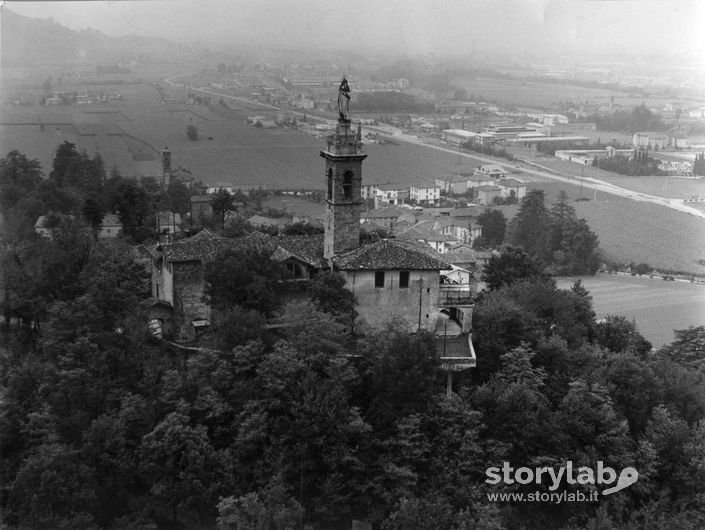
<point x="512" y="187"/>
<point x="430" y="195"/>
<point x="458" y="136"/>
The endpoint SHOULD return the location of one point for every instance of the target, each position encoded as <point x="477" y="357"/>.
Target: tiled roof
<point x="392" y="254"/>
<point x="306" y="248"/>
<point x="415" y="232"/>
<point x="460" y="257"/>
<point x="204" y="246"/>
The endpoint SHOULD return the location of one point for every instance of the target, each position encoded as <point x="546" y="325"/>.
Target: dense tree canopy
<point x="282" y="417"/>
<point x="494" y="227"/>
<point x="556" y="238"/>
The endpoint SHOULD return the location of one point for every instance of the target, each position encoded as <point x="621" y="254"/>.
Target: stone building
<point x="178" y="276"/>
<point x="394" y="278"/>
<point x="391" y="278"/>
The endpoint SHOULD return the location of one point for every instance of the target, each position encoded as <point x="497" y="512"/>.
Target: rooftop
<point x="205" y="245"/>
<point x="392" y="254"/>
<point x="306" y="248"/>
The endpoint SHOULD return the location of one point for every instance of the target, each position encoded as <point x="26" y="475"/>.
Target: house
<point x="110" y="227"/>
<point x="394" y="278"/>
<point x="462" y="255"/>
<point x="494" y="170"/>
<point x="480" y="179"/>
<point x="385" y="194"/>
<point x="650" y="140"/>
<point x="201" y="208"/>
<point x="427" y="195"/>
<point x="455" y="184"/>
<point x="302" y="255"/>
<point x="487" y="194"/>
<point x="168" y="222"/>
<point x="392" y="194"/>
<point x="386" y="217"/>
<point x="178" y="275"/>
<point x="512" y="187"/>
<point x="458" y="137"/>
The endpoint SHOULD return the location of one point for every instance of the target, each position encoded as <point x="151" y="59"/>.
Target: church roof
<point x="306" y="248"/>
<point x="205" y="245"/>
<point x="391" y="254"/>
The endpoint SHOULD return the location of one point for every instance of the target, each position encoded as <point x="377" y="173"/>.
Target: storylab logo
<point x="602" y="476"/>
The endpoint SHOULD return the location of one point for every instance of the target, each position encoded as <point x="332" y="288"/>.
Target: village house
<point x="650" y="140"/>
<point x="394" y="278"/>
<point x="177" y="276"/>
<point x="168" y="222"/>
<point x="480" y="179"/>
<point x="512" y="187"/>
<point x="493" y="170"/>
<point x="453" y="184"/>
<point x="425" y="195"/>
<point x="201" y="208"/>
<point x="385" y="217"/>
<point x="487" y="194"/>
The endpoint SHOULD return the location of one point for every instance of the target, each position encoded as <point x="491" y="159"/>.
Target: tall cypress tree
<point x="530" y="228"/>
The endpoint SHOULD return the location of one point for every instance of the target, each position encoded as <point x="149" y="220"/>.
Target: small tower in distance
<point x="166" y="168"/>
<point x="343" y="196"/>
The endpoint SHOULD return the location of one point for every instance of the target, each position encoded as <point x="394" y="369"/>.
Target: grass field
<point x="658" y="307"/>
<point x="544" y="95"/>
<point x="649" y="233"/>
<point x="130" y="133"/>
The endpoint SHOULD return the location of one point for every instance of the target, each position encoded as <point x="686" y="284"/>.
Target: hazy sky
<point x="409" y="26"/>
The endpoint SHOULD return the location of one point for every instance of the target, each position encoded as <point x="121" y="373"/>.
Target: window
<point x="403" y="279"/>
<point x="295" y="271"/>
<point x="379" y="278"/>
<point x="330" y="184"/>
<point x="347" y="186"/>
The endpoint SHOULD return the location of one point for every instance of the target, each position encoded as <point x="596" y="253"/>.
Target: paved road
<point x="587" y="182"/>
<point x="525" y="165"/>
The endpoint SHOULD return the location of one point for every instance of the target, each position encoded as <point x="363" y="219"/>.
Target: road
<point x="525" y="165"/>
<point x="587" y="182"/>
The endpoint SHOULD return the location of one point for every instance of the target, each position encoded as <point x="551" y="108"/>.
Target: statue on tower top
<point x="344" y="99"/>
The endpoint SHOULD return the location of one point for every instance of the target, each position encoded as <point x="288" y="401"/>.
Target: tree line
<point x="556" y="238"/>
<point x="79" y="186"/>
<point x="286" y="418"/>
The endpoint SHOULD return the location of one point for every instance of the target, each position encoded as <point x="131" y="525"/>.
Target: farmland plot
<point x="657" y="307"/>
<point x="631" y="231"/>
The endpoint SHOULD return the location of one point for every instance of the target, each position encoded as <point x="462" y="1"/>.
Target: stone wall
<point x="189" y="294"/>
<point x="379" y="305"/>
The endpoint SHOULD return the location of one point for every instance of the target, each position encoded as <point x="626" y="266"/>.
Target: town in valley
<point x="328" y="267"/>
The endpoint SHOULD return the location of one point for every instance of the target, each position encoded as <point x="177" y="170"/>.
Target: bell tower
<point x="343" y="155"/>
<point x="343" y="196"/>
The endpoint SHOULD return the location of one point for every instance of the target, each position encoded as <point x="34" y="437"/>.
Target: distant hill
<point x="28" y="41"/>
